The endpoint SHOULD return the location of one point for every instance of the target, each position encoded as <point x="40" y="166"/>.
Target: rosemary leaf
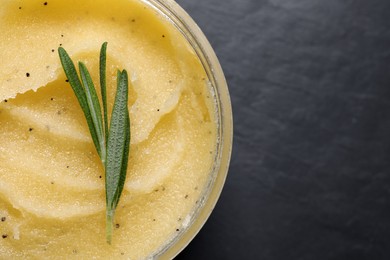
<point x="103" y="87"/>
<point x="71" y="74"/>
<point x="126" y="151"/>
<point x="94" y="108"/>
<point x="117" y="150"/>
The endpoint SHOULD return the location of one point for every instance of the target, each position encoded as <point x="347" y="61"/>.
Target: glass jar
<point x="195" y="37"/>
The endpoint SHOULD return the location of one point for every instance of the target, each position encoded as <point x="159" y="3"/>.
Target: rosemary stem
<point x="109" y="224"/>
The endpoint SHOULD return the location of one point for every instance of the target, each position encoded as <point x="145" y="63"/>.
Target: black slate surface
<point x="310" y="88"/>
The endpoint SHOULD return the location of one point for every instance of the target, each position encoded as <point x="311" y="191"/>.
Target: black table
<point x="310" y="88"/>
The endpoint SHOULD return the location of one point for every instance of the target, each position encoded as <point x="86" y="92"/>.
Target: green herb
<point x="112" y="143"/>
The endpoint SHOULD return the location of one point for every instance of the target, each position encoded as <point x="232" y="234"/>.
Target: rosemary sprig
<point x="112" y="144"/>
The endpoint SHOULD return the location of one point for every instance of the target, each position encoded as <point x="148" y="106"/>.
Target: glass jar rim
<point x="178" y="17"/>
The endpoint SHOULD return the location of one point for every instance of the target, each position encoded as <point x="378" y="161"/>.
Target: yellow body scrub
<point x="52" y="194"/>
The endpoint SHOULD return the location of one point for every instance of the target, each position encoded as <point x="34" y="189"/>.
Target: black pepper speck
<point x="30" y="129"/>
<point x="3" y="219"/>
<point x="4" y="236"/>
<point x="117" y="225"/>
<point x="27" y="74"/>
<point x="45" y="3"/>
